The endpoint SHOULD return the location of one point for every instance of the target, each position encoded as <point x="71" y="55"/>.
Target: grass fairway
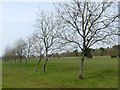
<point x="99" y="72"/>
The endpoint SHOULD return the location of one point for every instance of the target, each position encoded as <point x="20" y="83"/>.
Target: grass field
<point x="99" y="72"/>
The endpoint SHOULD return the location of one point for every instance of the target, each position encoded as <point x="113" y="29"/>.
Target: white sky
<point x="17" y="20"/>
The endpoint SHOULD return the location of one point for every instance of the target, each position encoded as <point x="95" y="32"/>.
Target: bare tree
<point x="14" y="56"/>
<point x="38" y="50"/>
<point x="87" y="23"/>
<point x="28" y="49"/>
<point x="20" y="50"/>
<point x="47" y="29"/>
<point x="9" y="54"/>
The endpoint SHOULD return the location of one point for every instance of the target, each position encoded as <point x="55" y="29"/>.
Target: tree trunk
<point x="26" y="64"/>
<point x="81" y="68"/>
<point x="15" y="63"/>
<point x="44" y="66"/>
<point x="36" y="69"/>
<point x="20" y="63"/>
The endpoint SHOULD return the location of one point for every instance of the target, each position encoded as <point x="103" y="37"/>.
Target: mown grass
<point x="99" y="72"/>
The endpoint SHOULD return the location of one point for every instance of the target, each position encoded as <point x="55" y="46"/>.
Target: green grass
<point x="99" y="72"/>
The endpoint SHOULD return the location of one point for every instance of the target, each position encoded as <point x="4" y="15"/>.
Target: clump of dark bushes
<point x="113" y="56"/>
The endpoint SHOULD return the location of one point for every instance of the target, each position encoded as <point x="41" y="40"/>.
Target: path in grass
<point x="100" y="72"/>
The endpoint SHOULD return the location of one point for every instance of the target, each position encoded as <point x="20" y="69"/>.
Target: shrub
<point x="113" y="56"/>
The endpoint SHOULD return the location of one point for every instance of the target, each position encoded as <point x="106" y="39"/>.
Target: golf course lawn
<point x="99" y="72"/>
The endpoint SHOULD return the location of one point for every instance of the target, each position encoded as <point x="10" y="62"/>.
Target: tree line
<point x="75" y="24"/>
<point x="113" y="52"/>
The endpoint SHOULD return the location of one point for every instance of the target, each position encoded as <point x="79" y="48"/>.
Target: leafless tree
<point x="20" y="50"/>
<point x="14" y="56"/>
<point x="28" y="49"/>
<point x="9" y="54"/>
<point x="47" y="29"/>
<point x="87" y="23"/>
<point x="38" y="50"/>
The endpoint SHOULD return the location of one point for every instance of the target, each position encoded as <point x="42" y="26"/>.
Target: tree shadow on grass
<point x="95" y="76"/>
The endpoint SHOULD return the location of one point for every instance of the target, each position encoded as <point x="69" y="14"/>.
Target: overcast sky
<point x="17" y="20"/>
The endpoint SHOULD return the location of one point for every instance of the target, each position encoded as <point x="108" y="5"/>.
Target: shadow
<point x="94" y="76"/>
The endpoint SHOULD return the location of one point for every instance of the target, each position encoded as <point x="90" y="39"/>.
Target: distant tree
<point x="20" y="50"/>
<point x="114" y="51"/>
<point x="118" y="50"/>
<point x="28" y="49"/>
<point x="13" y="54"/>
<point x="89" y="53"/>
<point x="39" y="51"/>
<point x="8" y="54"/>
<point x="102" y="51"/>
<point x="75" y="52"/>
<point x="46" y="28"/>
<point x="87" y="23"/>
